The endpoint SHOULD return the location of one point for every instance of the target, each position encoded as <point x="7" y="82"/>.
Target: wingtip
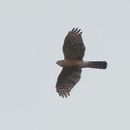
<point x="76" y="30"/>
<point x="63" y="93"/>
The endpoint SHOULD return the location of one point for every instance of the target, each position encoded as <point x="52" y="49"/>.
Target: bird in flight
<point x="74" y="50"/>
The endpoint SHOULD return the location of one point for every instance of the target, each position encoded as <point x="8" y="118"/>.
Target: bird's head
<point x="60" y="63"/>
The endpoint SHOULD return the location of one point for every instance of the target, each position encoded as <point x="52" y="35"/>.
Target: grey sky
<point x="31" y="37"/>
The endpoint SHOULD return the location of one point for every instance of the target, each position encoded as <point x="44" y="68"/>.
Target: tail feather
<point x="96" y="64"/>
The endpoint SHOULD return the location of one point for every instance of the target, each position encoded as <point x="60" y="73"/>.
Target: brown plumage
<point x="74" y="50"/>
<point x="73" y="47"/>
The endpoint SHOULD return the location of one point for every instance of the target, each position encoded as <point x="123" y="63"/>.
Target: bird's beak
<point x="57" y="62"/>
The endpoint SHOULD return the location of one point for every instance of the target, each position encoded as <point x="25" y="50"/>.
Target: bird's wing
<point x="67" y="79"/>
<point x="74" y="47"/>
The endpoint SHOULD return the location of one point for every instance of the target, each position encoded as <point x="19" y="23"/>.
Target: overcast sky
<point x="31" y="38"/>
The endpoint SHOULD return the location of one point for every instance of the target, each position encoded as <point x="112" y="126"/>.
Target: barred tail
<point x="95" y="64"/>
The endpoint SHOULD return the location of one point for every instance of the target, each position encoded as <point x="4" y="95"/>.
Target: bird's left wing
<point x="74" y="47"/>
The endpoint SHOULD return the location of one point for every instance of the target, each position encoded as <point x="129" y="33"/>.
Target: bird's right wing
<point x="74" y="47"/>
<point x="67" y="79"/>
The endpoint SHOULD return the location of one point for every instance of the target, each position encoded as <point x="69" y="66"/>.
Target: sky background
<point x="31" y="38"/>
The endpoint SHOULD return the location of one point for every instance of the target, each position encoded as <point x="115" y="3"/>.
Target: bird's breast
<point x="69" y="63"/>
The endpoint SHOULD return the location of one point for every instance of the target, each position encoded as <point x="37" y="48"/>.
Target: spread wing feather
<point x="67" y="79"/>
<point x="74" y="47"/>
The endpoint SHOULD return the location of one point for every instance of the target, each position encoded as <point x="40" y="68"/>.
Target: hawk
<point x="74" y="50"/>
